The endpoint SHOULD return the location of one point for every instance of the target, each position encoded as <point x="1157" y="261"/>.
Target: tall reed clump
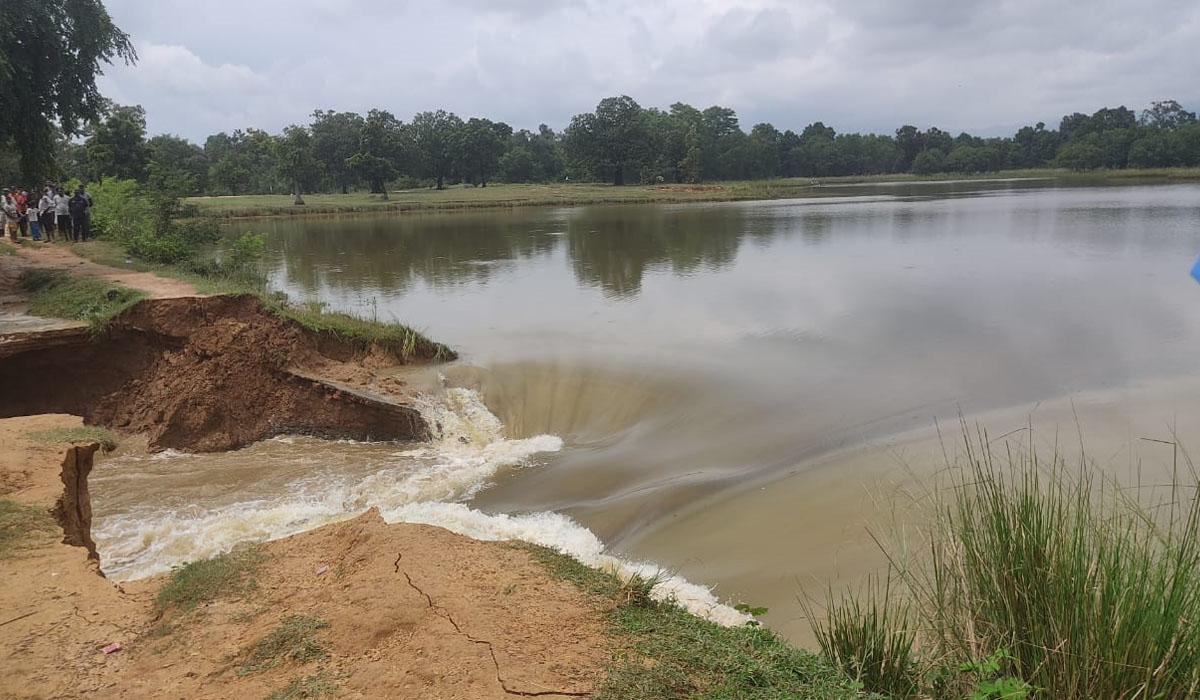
<point x="1067" y="584"/>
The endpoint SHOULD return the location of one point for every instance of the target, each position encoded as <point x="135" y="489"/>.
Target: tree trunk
<point x="299" y="200"/>
<point x="384" y="193"/>
<point x="345" y="188"/>
<point x="619" y="177"/>
<point x="439" y="182"/>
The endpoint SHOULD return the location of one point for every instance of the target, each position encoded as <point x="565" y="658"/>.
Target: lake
<point x="740" y="390"/>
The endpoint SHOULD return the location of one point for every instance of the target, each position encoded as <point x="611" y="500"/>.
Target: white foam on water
<point x="417" y="485"/>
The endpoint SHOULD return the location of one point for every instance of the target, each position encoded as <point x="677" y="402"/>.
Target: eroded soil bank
<point x="206" y="374"/>
<point x="400" y="611"/>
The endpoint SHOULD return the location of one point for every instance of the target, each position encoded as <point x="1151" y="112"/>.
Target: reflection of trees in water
<point x="608" y="247"/>
<point x="392" y="253"/>
<point x="612" y="247"/>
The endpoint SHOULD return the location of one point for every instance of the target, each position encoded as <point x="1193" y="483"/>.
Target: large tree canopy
<point x="52" y="53"/>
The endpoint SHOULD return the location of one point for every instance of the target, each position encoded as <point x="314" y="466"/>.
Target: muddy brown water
<point x="740" y="389"/>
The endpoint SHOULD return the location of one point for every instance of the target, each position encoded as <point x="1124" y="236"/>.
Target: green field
<point x="564" y="194"/>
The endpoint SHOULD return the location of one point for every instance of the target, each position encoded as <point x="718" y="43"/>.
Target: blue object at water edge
<point x="1196" y="270"/>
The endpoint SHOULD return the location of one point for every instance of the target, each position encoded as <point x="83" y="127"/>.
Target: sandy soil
<point x="413" y="612"/>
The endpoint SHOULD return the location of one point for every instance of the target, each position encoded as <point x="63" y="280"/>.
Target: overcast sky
<point x="985" y="66"/>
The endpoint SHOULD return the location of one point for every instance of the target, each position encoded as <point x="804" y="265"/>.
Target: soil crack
<point x="445" y="614"/>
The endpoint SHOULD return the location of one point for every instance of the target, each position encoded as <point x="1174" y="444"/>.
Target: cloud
<point x="855" y="64"/>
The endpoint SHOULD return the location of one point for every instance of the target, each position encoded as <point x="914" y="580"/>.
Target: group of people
<point x="26" y="213"/>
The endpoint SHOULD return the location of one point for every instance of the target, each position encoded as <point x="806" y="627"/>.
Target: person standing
<point x="22" y="223"/>
<point x="46" y="214"/>
<point x="31" y="213"/>
<point x="8" y="213"/>
<point x="62" y="213"/>
<point x="87" y="217"/>
<point x="77" y="206"/>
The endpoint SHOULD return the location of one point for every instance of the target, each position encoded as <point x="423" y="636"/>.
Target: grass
<point x="56" y="294"/>
<point x="318" y="685"/>
<point x="569" y="194"/>
<point x="81" y="434"/>
<point x="673" y="654"/>
<point x="295" y="640"/>
<point x="1042" y="571"/>
<point x="20" y="524"/>
<point x="194" y="583"/>
<point x="404" y="341"/>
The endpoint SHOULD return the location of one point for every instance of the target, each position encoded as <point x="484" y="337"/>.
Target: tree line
<point x="620" y="142"/>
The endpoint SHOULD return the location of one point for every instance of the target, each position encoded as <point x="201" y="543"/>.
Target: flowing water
<point x="733" y="391"/>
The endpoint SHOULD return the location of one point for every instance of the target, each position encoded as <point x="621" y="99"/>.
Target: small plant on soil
<point x="20" y="524"/>
<point x="295" y="640"/>
<point x="81" y="434"/>
<point x="198" y="582"/>
<point x="318" y="685"/>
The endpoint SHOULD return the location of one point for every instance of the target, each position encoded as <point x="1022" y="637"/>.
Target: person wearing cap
<point x="8" y="213"/>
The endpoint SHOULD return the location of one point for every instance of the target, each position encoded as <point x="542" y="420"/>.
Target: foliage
<point x="295" y="640"/>
<point x="222" y="576"/>
<point x="117" y="147"/>
<point x="436" y="137"/>
<point x="80" y="434"/>
<point x="19" y="523"/>
<point x="406" y="343"/>
<point x="671" y="653"/>
<point x="613" y="139"/>
<point x="295" y="161"/>
<point x="55" y="294"/>
<point x="1058" y="579"/>
<point x="335" y="138"/>
<point x="870" y="636"/>
<point x="380" y="149"/>
<point x="53" y="52"/>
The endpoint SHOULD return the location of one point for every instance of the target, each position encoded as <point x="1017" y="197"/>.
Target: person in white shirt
<point x="45" y="209"/>
<point x="62" y="212"/>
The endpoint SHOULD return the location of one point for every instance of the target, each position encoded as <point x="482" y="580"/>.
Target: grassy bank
<point x="402" y="340"/>
<point x="1037" y="577"/>
<point x="668" y="653"/>
<point x="55" y="294"/>
<point x="569" y="194"/>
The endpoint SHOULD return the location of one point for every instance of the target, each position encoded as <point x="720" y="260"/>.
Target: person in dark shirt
<point x="78" y="206"/>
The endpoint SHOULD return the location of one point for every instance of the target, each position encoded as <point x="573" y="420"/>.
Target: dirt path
<point x="397" y="611"/>
<point x="59" y="256"/>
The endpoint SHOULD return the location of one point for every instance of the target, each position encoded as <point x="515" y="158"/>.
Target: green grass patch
<point x="673" y="654"/>
<point x="222" y="576"/>
<point x="294" y="641"/>
<point x="1039" y="573"/>
<point x="405" y="342"/>
<point x="55" y="294"/>
<point x="80" y="434"/>
<point x="6" y="249"/>
<point x="21" y="525"/>
<point x="319" y="685"/>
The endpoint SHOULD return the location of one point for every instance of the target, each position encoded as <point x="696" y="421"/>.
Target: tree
<point x="294" y="160"/>
<point x="117" y="147"/>
<point x="929" y="161"/>
<point x="380" y="149"/>
<point x="1079" y="155"/>
<point x="176" y="165"/>
<point x="53" y="51"/>
<point x="689" y="167"/>
<point x="1167" y="114"/>
<point x="611" y="139"/>
<point x="335" y="138"/>
<point x="480" y="145"/>
<point x="435" y="139"/>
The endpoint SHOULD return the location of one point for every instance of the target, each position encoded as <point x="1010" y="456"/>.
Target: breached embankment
<point x="206" y="374"/>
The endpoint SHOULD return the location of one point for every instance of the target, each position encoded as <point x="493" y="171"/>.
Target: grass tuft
<point x="312" y="687"/>
<point x="224" y="575"/>
<point x="55" y="294"/>
<point x="1041" y="574"/>
<point x="401" y="340"/>
<point x="80" y="434"/>
<point x="673" y="654"/>
<point x="20" y="524"/>
<point x="295" y="640"/>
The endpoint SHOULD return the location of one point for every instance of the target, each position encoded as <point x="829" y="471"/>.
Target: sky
<point x="983" y="66"/>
